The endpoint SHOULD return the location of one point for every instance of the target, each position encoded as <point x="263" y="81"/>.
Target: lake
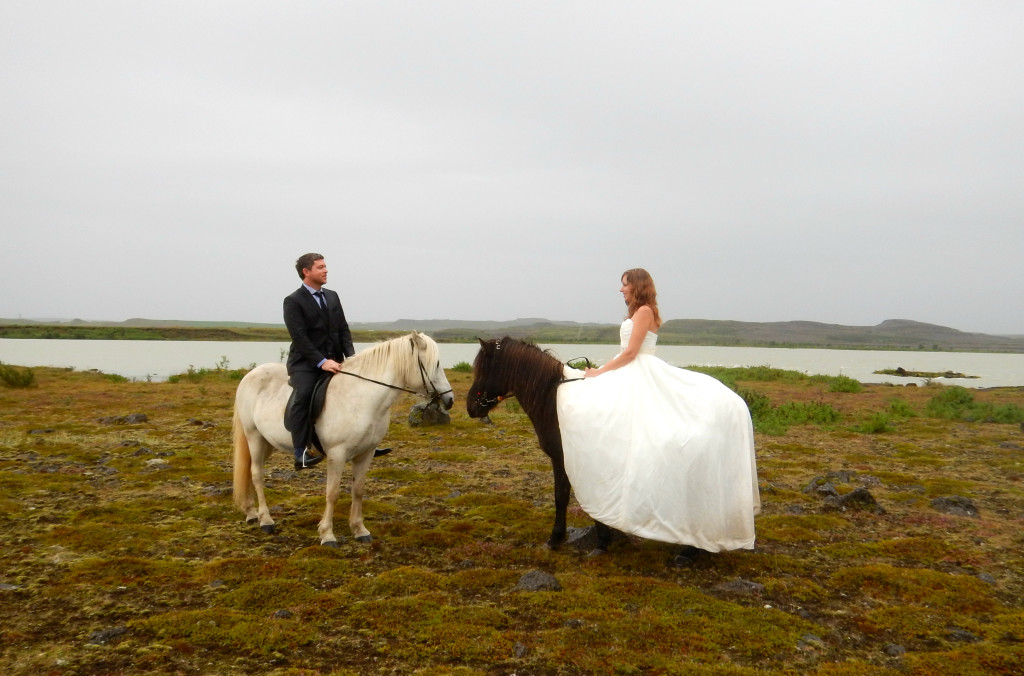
<point x="157" y="359"/>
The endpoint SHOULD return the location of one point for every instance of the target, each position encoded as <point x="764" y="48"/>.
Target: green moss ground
<point x="122" y="552"/>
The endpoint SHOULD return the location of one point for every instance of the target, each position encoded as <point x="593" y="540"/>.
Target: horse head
<point x="488" y="387"/>
<point x="428" y="361"/>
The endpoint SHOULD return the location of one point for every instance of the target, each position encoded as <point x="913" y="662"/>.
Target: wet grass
<point x="122" y="552"/>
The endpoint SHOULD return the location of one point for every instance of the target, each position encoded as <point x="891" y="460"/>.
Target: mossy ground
<point x="122" y="552"/>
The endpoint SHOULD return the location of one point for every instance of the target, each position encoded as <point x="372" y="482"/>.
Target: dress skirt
<point x="661" y="452"/>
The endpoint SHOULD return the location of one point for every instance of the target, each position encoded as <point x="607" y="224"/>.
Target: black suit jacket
<point x="314" y="336"/>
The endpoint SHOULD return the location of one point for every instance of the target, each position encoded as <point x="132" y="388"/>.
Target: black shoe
<point x="308" y="460"/>
<point x="381" y="451"/>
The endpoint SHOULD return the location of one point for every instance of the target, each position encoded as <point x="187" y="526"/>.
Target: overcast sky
<point x="842" y="162"/>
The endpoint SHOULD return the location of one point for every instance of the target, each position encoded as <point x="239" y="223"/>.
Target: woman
<point x="655" y="450"/>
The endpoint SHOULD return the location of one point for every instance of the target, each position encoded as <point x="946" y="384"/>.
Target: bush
<point x="775" y="420"/>
<point x="899" y="408"/>
<point x="957" y="403"/>
<point x="463" y="367"/>
<point x="876" y="424"/>
<point x="16" y="377"/>
<point x="844" y="384"/>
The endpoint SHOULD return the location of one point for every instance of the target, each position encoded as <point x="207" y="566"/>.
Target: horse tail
<point x="243" y="462"/>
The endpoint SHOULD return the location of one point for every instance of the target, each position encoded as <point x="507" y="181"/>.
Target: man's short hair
<point x="305" y="262"/>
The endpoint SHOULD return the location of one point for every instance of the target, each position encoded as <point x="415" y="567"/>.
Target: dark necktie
<point x="320" y="300"/>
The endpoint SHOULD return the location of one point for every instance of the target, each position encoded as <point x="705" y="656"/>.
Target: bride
<point x="655" y="450"/>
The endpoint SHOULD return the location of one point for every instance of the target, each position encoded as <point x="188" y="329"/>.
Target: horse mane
<point x="531" y="372"/>
<point x="396" y="352"/>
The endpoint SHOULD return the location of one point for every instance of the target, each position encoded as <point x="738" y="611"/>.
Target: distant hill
<point x="892" y="334"/>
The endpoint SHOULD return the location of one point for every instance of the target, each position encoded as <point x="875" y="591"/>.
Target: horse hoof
<point x="333" y="544"/>
<point x="365" y="539"/>
<point x="269" y="528"/>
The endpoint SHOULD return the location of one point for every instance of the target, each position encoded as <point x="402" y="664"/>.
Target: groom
<point x="321" y="340"/>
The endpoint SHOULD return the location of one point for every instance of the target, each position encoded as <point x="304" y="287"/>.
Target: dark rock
<point x="538" y="580"/>
<point x="132" y="419"/>
<point x="741" y="586"/>
<point x="519" y="650"/>
<point x="48" y="430"/>
<point x="428" y="414"/>
<point x="957" y="506"/>
<point x="820" y="486"/>
<point x="811" y="641"/>
<point x="859" y="499"/>
<point x="574" y="624"/>
<point x="987" y="579"/>
<point x="680" y="561"/>
<point x="107" y="635"/>
<point x="284" y="614"/>
<point x="1011" y="446"/>
<point x="843" y="476"/>
<point x="585" y="539"/>
<point x="895" y="650"/>
<point x="961" y="635"/>
<point x="142" y="451"/>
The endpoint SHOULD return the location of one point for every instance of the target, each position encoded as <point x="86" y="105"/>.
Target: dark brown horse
<point x="508" y="367"/>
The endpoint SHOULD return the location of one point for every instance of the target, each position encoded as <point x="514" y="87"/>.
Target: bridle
<point x="490" y="402"/>
<point x="429" y="390"/>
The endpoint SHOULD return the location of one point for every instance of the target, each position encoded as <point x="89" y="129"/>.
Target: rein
<point x="491" y="402"/>
<point x="428" y="387"/>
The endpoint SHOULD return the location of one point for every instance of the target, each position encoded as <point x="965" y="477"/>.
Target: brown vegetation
<point x="122" y="552"/>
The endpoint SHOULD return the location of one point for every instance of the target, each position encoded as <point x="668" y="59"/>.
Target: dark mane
<point x="535" y="372"/>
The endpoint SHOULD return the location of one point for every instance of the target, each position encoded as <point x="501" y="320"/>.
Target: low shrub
<point x="957" y="403"/>
<point x="845" y="384"/>
<point x="17" y="377"/>
<point x="775" y="420"/>
<point x="878" y="423"/>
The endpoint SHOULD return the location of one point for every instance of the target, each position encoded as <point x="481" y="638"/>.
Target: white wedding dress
<point x="661" y="452"/>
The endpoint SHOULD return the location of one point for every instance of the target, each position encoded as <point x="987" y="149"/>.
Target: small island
<point x="900" y="371"/>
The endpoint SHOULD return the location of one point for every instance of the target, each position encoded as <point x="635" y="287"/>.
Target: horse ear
<point x="486" y="347"/>
<point x="417" y="340"/>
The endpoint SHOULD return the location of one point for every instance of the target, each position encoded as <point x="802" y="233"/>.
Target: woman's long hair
<point x="644" y="292"/>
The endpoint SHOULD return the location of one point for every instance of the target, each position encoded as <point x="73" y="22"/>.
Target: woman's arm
<point x="643" y="321"/>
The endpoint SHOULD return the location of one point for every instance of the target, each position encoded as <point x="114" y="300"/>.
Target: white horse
<point x="354" y="419"/>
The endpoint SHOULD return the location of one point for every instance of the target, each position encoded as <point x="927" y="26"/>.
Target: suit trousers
<point x="296" y="419"/>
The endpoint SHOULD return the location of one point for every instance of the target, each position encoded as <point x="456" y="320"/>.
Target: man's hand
<point x="331" y="366"/>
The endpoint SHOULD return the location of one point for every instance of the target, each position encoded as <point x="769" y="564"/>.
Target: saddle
<point x="316" y="405"/>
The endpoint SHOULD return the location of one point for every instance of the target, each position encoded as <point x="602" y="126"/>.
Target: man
<point x="321" y="340"/>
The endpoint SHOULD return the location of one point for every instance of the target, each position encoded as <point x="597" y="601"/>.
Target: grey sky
<point x="844" y="162"/>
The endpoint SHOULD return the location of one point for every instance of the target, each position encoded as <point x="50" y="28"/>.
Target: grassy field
<point x="122" y="552"/>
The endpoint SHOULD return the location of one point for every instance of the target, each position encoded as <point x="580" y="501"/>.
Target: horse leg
<point x="360" y="467"/>
<point x="335" y="468"/>
<point x="260" y="449"/>
<point x="561" y="501"/>
<point x="604" y="538"/>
